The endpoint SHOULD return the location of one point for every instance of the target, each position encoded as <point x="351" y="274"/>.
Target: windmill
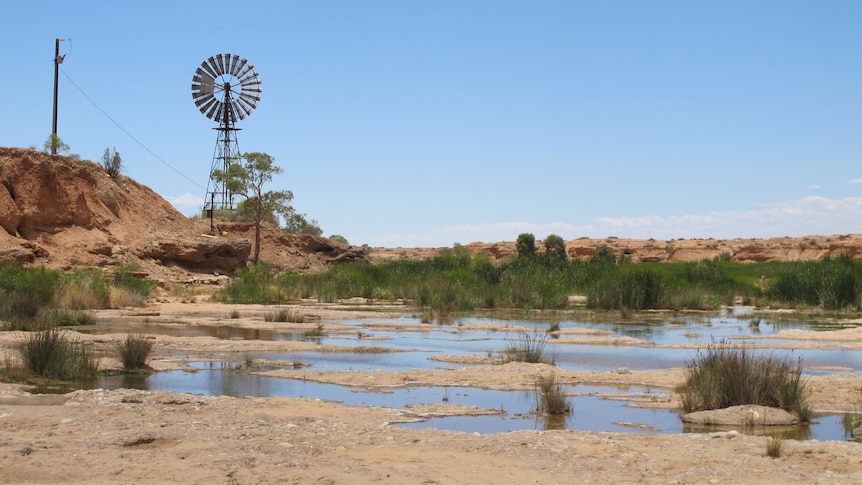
<point x="225" y="88"/>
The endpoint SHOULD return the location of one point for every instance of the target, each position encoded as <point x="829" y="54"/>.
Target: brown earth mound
<point x="62" y="212"/>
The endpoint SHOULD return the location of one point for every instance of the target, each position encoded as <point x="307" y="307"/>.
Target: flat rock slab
<point x="745" y="415"/>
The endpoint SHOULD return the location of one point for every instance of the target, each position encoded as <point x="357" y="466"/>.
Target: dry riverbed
<point x="130" y="436"/>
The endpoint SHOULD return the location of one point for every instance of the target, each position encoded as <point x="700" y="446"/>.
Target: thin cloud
<point x="856" y="181"/>
<point x="812" y="215"/>
<point x="186" y="203"/>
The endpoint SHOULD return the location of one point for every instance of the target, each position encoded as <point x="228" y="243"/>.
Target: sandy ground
<point x="129" y="436"/>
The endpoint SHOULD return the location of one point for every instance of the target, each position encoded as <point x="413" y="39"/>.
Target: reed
<point x="51" y="354"/>
<point x="723" y="376"/>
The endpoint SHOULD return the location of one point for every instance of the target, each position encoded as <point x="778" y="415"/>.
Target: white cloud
<point x="807" y="216"/>
<point x="186" y="203"/>
<point x="856" y="181"/>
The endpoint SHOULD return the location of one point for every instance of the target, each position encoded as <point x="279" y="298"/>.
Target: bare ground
<point x="134" y="436"/>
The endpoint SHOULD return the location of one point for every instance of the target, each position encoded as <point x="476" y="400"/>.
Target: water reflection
<point x="589" y="413"/>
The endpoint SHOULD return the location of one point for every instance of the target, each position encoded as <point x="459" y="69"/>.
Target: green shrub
<point x="604" y="254"/>
<point x="722" y="377"/>
<point x="51" y="354"/>
<point x="254" y="284"/>
<point x="25" y="291"/>
<point x="83" y="289"/>
<point x="70" y="318"/>
<point x="112" y="163"/>
<point x="555" y="248"/>
<point x="110" y="202"/>
<point x="525" y="244"/>
<point x="127" y="276"/>
<point x="134" y="351"/>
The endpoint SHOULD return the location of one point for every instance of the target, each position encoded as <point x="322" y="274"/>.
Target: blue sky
<point x="429" y="123"/>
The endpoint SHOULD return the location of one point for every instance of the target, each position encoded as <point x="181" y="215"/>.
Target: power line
<point x="127" y="133"/>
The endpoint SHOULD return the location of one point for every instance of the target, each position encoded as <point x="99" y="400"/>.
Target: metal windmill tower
<point x="225" y="88"/>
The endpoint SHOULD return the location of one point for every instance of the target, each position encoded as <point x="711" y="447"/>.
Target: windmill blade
<point x="204" y="99"/>
<point x="220" y="60"/>
<point x="209" y="66"/>
<point x="236" y="108"/>
<point x="249" y="98"/>
<point x="245" y="106"/>
<point x="250" y="77"/>
<point x="206" y="83"/>
<point x="245" y="70"/>
<point x="234" y="59"/>
<point x="231" y="112"/>
<point x="219" y="112"/>
<point x="236" y="68"/>
<point x="196" y="94"/>
<point x="252" y="90"/>
<point x="212" y="110"/>
<point x="209" y="105"/>
<point x="252" y="81"/>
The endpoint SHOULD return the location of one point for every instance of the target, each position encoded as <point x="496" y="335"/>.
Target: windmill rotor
<point x="226" y="88"/>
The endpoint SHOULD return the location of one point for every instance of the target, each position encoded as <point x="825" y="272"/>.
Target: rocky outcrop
<point x="203" y="253"/>
<point x="672" y="250"/>
<point x="297" y="252"/>
<point x="747" y="415"/>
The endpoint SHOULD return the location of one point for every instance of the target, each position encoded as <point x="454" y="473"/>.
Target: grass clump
<point x="50" y="354"/>
<point x="550" y="398"/>
<point x="722" y="377"/>
<point x="134" y="351"/>
<point x="70" y="318"/>
<point x="529" y="348"/>
<point x="284" y="315"/>
<point x="774" y="445"/>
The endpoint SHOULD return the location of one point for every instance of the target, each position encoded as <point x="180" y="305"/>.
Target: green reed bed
<point x="454" y="281"/>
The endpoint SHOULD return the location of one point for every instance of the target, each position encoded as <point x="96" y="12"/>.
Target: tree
<point x="247" y="180"/>
<point x="112" y="163"/>
<point x="555" y="248"/>
<point x="298" y="224"/>
<point x="526" y="244"/>
<point x="54" y="145"/>
<point x="604" y="254"/>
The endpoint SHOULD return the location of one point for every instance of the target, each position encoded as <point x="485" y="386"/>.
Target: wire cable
<point x="129" y="134"/>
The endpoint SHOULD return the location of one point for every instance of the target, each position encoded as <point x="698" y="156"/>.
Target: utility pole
<point x="58" y="59"/>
